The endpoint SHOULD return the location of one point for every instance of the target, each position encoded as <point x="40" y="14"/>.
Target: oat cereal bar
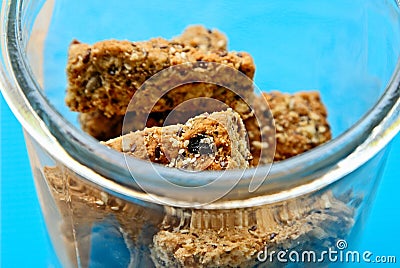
<point x="213" y="141"/>
<point x="300" y="123"/>
<point x="105" y="76"/>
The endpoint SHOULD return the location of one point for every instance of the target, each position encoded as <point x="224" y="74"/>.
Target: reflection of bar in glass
<point x="85" y="208"/>
<point x="233" y="238"/>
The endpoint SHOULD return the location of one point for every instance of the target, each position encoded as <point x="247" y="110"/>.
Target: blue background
<point x="25" y="243"/>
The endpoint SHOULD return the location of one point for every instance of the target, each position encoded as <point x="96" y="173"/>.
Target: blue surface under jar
<point x="97" y="215"/>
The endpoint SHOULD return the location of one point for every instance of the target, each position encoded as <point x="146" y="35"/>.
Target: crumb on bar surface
<point x="213" y="141"/>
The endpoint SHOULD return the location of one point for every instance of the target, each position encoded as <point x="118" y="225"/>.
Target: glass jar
<point x="98" y="215"/>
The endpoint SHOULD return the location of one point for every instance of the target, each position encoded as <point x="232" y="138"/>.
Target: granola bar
<point x="196" y="237"/>
<point x="213" y="141"/>
<point x="300" y="124"/>
<point x="106" y="75"/>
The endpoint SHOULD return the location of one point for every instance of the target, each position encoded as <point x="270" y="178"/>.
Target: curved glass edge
<point x="42" y="118"/>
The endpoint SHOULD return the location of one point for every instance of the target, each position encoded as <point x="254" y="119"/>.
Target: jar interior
<point x="354" y="48"/>
<point x="343" y="64"/>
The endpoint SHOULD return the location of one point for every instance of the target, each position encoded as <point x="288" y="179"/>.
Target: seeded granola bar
<point x="106" y="75"/>
<point x="213" y="141"/>
<point x="300" y="124"/>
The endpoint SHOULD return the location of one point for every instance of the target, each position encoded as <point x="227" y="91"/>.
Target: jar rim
<point x="300" y="171"/>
